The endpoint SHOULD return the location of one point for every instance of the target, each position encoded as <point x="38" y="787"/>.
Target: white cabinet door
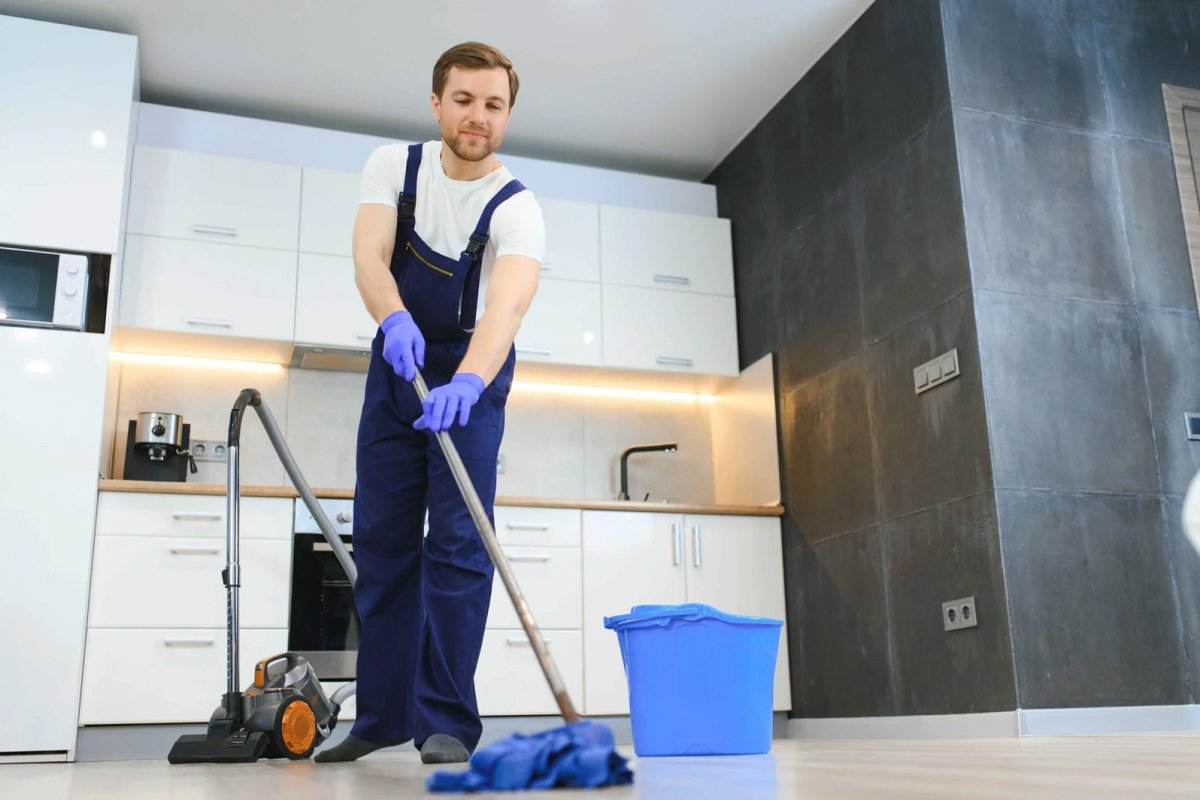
<point x="572" y="240"/>
<point x="189" y="195"/>
<point x="670" y="331"/>
<point x="538" y="527"/>
<point x="681" y="252"/>
<point x="157" y="582"/>
<point x="328" y="206"/>
<point x="551" y="579"/>
<point x="329" y="309"/>
<point x="216" y="289"/>
<point x="629" y="558"/>
<point x="562" y="325"/>
<point x="509" y="679"/>
<point x="186" y="515"/>
<point x="736" y="564"/>
<point x="158" y="675"/>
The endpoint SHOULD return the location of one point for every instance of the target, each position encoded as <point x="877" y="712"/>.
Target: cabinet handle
<point x="325" y="547"/>
<point x="195" y="551"/>
<point x="679" y="280"/>
<point x="696" y="544"/>
<point x="364" y="336"/>
<point x="533" y="351"/>
<point x="527" y="526"/>
<point x="546" y="266"/>
<point x="518" y="641"/>
<point x="195" y="515"/>
<point x="529" y="557"/>
<point x="674" y="361"/>
<point x="676" y="544"/>
<point x="188" y="642"/>
<point x="214" y="229"/>
<point x="216" y="323"/>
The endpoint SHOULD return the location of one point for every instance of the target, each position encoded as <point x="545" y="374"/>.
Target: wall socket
<point x="209" y="450"/>
<point x="959" y="614"/>
<point x="936" y="372"/>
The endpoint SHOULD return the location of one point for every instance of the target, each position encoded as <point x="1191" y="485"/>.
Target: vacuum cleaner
<point x="285" y="712"/>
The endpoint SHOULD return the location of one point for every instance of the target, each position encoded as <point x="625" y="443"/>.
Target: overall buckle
<point x="475" y="245"/>
<point x="407" y="207"/>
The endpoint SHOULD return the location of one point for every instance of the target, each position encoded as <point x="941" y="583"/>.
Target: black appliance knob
<point x="158" y="430"/>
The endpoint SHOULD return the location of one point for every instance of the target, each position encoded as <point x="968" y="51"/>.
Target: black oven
<point x="324" y="626"/>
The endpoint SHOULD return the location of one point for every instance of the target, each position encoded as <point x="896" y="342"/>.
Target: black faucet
<point x="665" y="447"/>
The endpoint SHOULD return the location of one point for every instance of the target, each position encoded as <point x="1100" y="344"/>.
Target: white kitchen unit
<point x="329" y="309"/>
<point x="207" y="198"/>
<point x="661" y="250"/>
<point x="328" y="207"/>
<point x="637" y="558"/>
<point x="572" y="240"/>
<point x="563" y="325"/>
<point x="185" y="286"/>
<point x="656" y="329"/>
<point x="66" y="102"/>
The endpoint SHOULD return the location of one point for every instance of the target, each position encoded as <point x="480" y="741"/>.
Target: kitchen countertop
<point x="164" y="487"/>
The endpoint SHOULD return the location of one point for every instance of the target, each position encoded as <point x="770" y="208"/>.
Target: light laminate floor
<point x="1111" y="767"/>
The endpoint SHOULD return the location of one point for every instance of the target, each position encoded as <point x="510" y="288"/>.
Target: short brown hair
<point x="474" y="55"/>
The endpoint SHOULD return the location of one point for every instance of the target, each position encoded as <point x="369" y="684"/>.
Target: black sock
<point x="353" y="748"/>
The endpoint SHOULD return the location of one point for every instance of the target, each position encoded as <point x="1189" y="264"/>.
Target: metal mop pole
<point x="488" y="533"/>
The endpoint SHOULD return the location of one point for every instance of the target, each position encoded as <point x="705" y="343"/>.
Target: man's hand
<point x="403" y="344"/>
<point x="442" y="403"/>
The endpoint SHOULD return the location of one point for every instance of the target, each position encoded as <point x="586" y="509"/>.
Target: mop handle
<point x="488" y="533"/>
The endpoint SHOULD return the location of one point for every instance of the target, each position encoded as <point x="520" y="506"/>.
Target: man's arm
<point x="513" y="285"/>
<point x="374" y="238"/>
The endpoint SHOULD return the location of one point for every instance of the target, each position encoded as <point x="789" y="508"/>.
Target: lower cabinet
<point x="509" y="680"/>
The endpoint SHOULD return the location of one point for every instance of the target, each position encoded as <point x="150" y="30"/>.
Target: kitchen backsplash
<point x="555" y="445"/>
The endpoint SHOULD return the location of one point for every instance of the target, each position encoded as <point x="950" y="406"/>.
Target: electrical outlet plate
<point x="1192" y="421"/>
<point x="209" y="450"/>
<point x="500" y="464"/>
<point x="959" y="614"/>
<point x="936" y="372"/>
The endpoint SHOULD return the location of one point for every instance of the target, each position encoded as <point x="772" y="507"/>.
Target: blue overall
<point x="423" y="601"/>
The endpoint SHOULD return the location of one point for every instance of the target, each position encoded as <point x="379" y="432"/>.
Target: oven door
<point x="42" y="289"/>
<point x="324" y="625"/>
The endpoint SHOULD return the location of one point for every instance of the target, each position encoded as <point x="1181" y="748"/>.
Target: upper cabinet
<point x="660" y="250"/>
<point x="328" y="206"/>
<point x="572" y="240"/>
<point x="186" y="195"/>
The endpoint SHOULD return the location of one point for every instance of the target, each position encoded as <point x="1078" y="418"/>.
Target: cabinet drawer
<point x="658" y="249"/>
<point x="164" y="675"/>
<point x="669" y="331"/>
<point x="328" y="207"/>
<point x="153" y="582"/>
<point x="216" y="289"/>
<point x="509" y="679"/>
<point x="538" y="527"/>
<point x="329" y="309"/>
<point x="551" y="578"/>
<point x="188" y="195"/>
<point x="563" y="325"/>
<point x="572" y="240"/>
<point x="183" y="515"/>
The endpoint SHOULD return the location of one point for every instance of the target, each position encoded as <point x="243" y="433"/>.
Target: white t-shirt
<point x="448" y="210"/>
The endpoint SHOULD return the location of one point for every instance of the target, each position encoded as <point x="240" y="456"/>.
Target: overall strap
<point x="474" y="253"/>
<point x="407" y="205"/>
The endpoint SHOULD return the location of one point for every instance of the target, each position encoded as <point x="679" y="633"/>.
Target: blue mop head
<point x="581" y="755"/>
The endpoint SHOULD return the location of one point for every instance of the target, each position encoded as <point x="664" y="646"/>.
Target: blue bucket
<point x="700" y="681"/>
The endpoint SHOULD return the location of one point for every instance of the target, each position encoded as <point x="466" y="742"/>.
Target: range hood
<point x="307" y="356"/>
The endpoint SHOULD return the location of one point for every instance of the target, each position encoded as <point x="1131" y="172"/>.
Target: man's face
<point x="473" y="111"/>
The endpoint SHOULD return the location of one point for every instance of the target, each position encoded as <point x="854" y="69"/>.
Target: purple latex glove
<point x="403" y="344"/>
<point x="443" y="402"/>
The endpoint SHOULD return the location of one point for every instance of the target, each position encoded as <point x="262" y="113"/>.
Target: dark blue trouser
<point x="423" y="603"/>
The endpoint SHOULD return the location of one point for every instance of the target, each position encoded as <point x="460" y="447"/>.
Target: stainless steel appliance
<point x="324" y="626"/>
<point x="157" y="448"/>
<point x="43" y="289"/>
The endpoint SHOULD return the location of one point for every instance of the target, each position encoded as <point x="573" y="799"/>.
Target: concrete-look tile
<point x="204" y="397"/>
<point x="828" y="466"/>
<point x="818" y="307"/>
<point x="323" y="412"/>
<point x="1162" y="271"/>
<point x="930" y="447"/>
<point x="913" y="254"/>
<point x="842" y="628"/>
<point x="1093" y="613"/>
<point x="1185" y="570"/>
<point x="1142" y="46"/>
<point x="1041" y="209"/>
<point x="543" y="446"/>
<point x="1172" y="342"/>
<point x="1066" y="394"/>
<point x="947" y="553"/>
<point x="1034" y="59"/>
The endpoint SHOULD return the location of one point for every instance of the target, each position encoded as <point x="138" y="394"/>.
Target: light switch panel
<point x="936" y="371"/>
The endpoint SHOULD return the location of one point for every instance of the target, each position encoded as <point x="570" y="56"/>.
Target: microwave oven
<point x="43" y="289"/>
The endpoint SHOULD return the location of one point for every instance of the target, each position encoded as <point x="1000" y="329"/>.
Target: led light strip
<point x="198" y="363"/>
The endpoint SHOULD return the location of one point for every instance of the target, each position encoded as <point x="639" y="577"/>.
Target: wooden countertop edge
<point x="164" y="487"/>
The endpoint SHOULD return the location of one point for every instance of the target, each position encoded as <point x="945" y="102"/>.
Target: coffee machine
<point x="156" y="448"/>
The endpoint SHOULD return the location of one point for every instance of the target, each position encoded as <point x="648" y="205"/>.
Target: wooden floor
<point x="1112" y="767"/>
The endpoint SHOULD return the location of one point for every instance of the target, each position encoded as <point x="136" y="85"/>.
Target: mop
<point x="580" y="754"/>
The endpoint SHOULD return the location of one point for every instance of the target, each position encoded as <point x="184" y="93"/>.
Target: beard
<point x="469" y="148"/>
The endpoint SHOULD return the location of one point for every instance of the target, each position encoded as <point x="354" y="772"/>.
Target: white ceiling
<point x="665" y="87"/>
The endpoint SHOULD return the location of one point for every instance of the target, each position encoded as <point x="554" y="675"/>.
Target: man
<point x="433" y="217"/>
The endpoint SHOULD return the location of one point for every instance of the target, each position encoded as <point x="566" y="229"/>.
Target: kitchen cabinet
<point x="201" y="197"/>
<point x="205" y="288"/>
<point x="509" y="679"/>
<point x="572" y="240"/>
<point x="638" y="558"/>
<point x="653" y="329"/>
<point x="662" y="250"/>
<point x="328" y="208"/>
<point x="329" y="309"/>
<point x="563" y="325"/>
